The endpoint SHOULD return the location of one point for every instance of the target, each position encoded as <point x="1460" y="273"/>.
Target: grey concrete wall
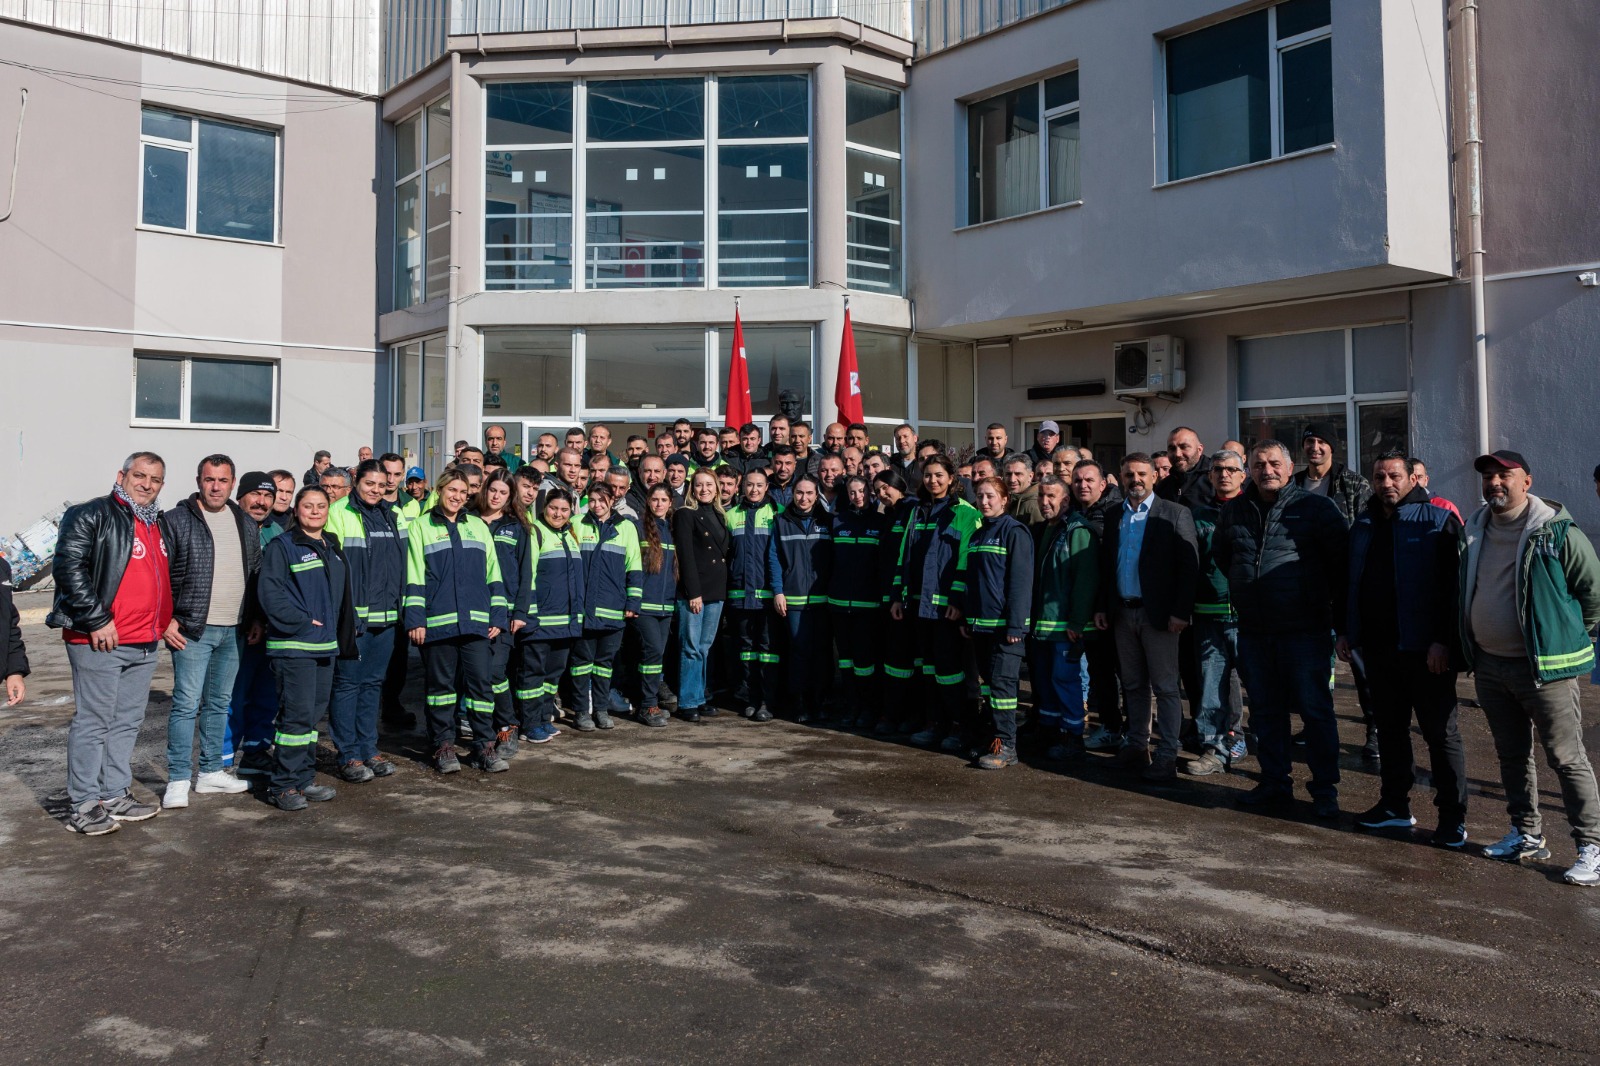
<point x="1541" y="91"/>
<point x="104" y="288"/>
<point x="1312" y="215"/>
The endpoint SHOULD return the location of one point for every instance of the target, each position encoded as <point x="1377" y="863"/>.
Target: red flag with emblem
<point x="847" y="393"/>
<point x="738" y="406"/>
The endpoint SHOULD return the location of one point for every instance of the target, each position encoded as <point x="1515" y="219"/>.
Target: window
<point x="946" y="391"/>
<point x="882" y="361"/>
<point x="1008" y="174"/>
<point x="638" y="149"/>
<point x="189" y="391"/>
<point x="778" y="358"/>
<point x="422" y="192"/>
<point x="204" y="176"/>
<point x="874" y="246"/>
<point x="527" y="373"/>
<point x="1349" y="378"/>
<point x="645" y="369"/>
<point x="420" y="390"/>
<point x="1252" y="88"/>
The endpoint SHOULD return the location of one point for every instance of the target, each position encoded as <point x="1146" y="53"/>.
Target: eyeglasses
<point x="1228" y="469"/>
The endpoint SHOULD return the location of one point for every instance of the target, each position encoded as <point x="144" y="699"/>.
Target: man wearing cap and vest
<point x="1530" y="597"/>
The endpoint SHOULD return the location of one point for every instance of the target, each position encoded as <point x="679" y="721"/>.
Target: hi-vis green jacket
<point x="374" y="543"/>
<point x="1558" y="590"/>
<point x="935" y="546"/>
<point x="453" y="584"/>
<point x="613" y="570"/>
<point x="552" y="597"/>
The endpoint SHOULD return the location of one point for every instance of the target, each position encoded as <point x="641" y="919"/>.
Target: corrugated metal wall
<point x="505" y="16"/>
<point x="414" y="33"/>
<point x="941" y="24"/>
<point x="323" y="42"/>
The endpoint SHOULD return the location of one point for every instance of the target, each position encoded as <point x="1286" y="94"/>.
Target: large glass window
<point x="882" y="361"/>
<point x="874" y="244"/>
<point x="209" y="177"/>
<point x="1252" y="88"/>
<point x="422" y="196"/>
<point x="1353" y="379"/>
<point x="1007" y="172"/>
<point x="420" y="389"/>
<point x="778" y="359"/>
<point x="645" y="369"/>
<point x="528" y="187"/>
<point x="763" y="180"/>
<point x="527" y="373"/>
<point x="189" y="391"/>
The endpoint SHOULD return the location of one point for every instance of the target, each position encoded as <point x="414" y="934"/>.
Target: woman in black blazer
<point x="700" y="531"/>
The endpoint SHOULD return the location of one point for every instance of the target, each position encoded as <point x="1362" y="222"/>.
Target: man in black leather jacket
<point x="114" y="600"/>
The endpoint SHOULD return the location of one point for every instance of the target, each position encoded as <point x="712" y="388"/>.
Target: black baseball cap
<point x="1501" y="460"/>
<point x="255" y="481"/>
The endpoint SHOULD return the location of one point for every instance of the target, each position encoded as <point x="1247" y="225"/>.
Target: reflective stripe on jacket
<point x="613" y="572"/>
<point x="304" y="589"/>
<point x="930" y="555"/>
<point x="1068" y="564"/>
<point x="995" y="578"/>
<point x="750" y="575"/>
<point x="800" y="559"/>
<point x="373" y="540"/>
<point x="857" y="583"/>
<point x="551" y="601"/>
<point x="659" y="590"/>
<point x="453" y="584"/>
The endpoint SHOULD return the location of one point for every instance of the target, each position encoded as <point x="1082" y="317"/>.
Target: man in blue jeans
<point x="1284" y="550"/>
<point x="215" y="553"/>
<point x="1219" y="714"/>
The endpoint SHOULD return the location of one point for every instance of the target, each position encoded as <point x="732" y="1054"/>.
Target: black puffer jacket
<point x="1285" y="562"/>
<point x="1348" y="490"/>
<point x="92" y="553"/>
<point x="193" y="557"/>
<point x="13" y="656"/>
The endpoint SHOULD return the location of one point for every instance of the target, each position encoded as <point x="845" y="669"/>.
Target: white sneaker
<point x="219" y="781"/>
<point x="1586" y="871"/>
<point x="177" y="795"/>
<point x="1102" y="739"/>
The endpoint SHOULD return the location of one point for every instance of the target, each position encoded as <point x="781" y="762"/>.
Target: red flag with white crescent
<point x="738" y="406"/>
<point x="847" y="393"/>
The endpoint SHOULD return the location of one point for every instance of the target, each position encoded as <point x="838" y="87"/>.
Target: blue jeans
<point x="357" y="688"/>
<point x="255" y="701"/>
<point x="1287" y="673"/>
<point x="202" y="686"/>
<point x="1060" y="682"/>
<point x="1216" y="644"/>
<point x="696" y="633"/>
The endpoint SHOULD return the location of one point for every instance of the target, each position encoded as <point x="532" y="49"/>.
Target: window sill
<point x="207" y="236"/>
<point x="151" y="423"/>
<point x="1302" y="153"/>
<point x="1069" y="205"/>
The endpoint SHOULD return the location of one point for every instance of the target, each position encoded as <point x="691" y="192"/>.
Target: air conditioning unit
<point x="1149" y="367"/>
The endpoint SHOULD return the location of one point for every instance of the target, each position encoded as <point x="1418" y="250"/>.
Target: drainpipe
<point x="1474" y="150"/>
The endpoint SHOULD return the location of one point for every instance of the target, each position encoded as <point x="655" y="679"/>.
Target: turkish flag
<point x="737" y="409"/>
<point x="847" y="393"/>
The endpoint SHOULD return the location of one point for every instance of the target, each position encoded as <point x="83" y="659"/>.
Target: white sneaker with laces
<point x="177" y="795"/>
<point x="1586" y="871"/>
<point x="1102" y="739"/>
<point x="219" y="781"/>
<point x="1516" y="847"/>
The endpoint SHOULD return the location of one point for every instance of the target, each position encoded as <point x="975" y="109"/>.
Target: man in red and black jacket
<point x="114" y="601"/>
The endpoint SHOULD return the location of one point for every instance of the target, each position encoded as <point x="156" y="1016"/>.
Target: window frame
<point x="899" y="160"/>
<point x="191" y="151"/>
<point x="1277" y="50"/>
<point x="1351" y="400"/>
<point x="420" y="176"/>
<point x="1046" y="117"/>
<point x="709" y="144"/>
<point x="186" y="393"/>
<point x="413" y="423"/>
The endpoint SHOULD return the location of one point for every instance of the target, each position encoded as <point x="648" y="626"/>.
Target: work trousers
<point x="901" y="669"/>
<point x="807" y="670"/>
<point x="942" y="653"/>
<point x="651" y="631"/>
<point x="394" y="677"/>
<point x="755" y="671"/>
<point x="502" y="664"/>
<point x="594" y="658"/>
<point x="1105" y="700"/>
<point x="1287" y="673"/>
<point x="456" y="672"/>
<point x="304" y="686"/>
<point x="1147" y="662"/>
<point x="542" y="662"/>
<point x="357" y="693"/>
<point x="1517" y="708"/>
<point x="1000" y="665"/>
<point x="255" y="702"/>
<point x="858" y="635"/>
<point x="1403" y="686"/>
<point x="111" y="690"/>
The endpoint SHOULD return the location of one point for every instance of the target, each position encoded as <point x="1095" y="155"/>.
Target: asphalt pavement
<point x="737" y="892"/>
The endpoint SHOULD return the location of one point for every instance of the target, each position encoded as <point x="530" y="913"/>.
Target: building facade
<point x="539" y="213"/>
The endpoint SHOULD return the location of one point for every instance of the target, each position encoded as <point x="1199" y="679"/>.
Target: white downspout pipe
<point x="1474" y="148"/>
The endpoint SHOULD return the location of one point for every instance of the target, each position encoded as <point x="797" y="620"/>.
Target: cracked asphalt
<point x="732" y="892"/>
